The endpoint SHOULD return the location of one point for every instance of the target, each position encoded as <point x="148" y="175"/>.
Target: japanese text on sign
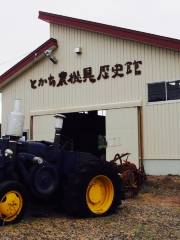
<point x="105" y="72"/>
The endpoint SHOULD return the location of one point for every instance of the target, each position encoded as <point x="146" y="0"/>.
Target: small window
<point x="173" y="90"/>
<point x="156" y="92"/>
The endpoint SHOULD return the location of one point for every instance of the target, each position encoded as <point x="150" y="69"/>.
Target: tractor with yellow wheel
<point x="82" y="183"/>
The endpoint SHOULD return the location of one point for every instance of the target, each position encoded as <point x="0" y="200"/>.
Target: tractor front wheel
<point x="12" y="202"/>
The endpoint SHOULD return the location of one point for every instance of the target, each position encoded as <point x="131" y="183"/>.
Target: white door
<point x="122" y="133"/>
<point x="43" y="127"/>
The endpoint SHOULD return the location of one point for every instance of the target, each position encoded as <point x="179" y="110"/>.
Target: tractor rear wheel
<point x="93" y="189"/>
<point x="13" y="202"/>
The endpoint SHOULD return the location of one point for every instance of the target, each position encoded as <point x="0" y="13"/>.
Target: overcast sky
<point x="22" y="31"/>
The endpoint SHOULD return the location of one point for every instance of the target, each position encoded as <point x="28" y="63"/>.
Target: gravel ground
<point x="153" y="214"/>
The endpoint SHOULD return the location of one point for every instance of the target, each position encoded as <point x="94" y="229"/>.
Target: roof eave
<point x="27" y="62"/>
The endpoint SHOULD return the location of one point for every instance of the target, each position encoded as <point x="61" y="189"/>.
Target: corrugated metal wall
<point x="97" y="50"/>
<point x="122" y="133"/>
<point x="43" y="127"/>
<point x="162" y="131"/>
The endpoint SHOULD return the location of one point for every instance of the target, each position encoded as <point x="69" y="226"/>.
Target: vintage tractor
<point x="82" y="183"/>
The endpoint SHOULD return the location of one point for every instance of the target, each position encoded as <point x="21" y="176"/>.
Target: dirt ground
<point x="153" y="214"/>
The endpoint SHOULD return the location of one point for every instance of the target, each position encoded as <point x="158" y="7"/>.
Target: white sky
<point x="22" y="31"/>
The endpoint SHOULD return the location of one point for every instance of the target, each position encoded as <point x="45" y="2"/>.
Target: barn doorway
<point x="87" y="131"/>
<point x="104" y="132"/>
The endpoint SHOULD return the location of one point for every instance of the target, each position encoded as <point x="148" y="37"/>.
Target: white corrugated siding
<point x="122" y="133"/>
<point x="162" y="131"/>
<point x="43" y="128"/>
<point x="97" y="50"/>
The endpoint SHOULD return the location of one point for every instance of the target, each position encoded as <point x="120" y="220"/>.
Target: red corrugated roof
<point x="122" y="33"/>
<point x="30" y="59"/>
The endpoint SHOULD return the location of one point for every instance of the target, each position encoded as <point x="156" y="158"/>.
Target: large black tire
<point x="13" y="202"/>
<point x="76" y="185"/>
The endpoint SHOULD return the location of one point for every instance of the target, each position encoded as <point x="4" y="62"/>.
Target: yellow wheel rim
<point x="100" y="194"/>
<point x="10" y="205"/>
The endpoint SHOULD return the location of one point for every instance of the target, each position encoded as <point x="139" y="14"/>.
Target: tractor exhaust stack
<point x="15" y="122"/>
<point x="58" y="127"/>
